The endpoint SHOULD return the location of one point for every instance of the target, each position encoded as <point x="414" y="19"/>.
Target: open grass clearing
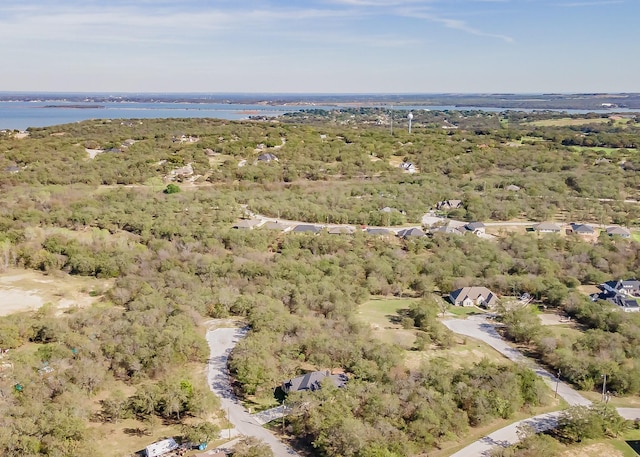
<point x="27" y="290"/>
<point x="465" y="351"/>
<point x="383" y="315"/>
<point x="600" y="149"/>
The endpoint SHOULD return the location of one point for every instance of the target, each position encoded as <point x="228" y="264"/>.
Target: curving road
<point x="221" y="342"/>
<point x="481" y="328"/>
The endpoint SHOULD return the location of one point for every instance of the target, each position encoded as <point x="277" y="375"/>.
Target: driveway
<point x="221" y="342"/>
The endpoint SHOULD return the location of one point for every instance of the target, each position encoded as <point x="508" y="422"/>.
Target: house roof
<point x="449" y="229"/>
<point x="473" y="293"/>
<point x="306" y="228"/>
<point x="582" y="229"/>
<point x="547" y="227"/>
<point x="474" y="226"/>
<point x="342" y="230"/>
<point x="378" y="231"/>
<point x="411" y="232"/>
<point x="624" y="284"/>
<point x="449" y="204"/>
<point x="313" y="381"/>
<point x="513" y="188"/>
<point x="277" y="226"/>
<point x="620" y="231"/>
<point x="247" y="224"/>
<point x="268" y="157"/>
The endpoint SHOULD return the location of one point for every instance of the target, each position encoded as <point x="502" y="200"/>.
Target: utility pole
<point x="557" y="382"/>
<point x="604" y="387"/>
<point x="391" y="120"/>
<point x="283" y="417"/>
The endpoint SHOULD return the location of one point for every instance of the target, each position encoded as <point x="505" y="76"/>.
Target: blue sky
<point x="320" y="46"/>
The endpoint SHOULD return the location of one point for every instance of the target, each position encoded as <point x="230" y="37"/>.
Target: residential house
<point x="313" y="381"/>
<point x="278" y="226"/>
<point x="618" y="231"/>
<point x="413" y="232"/>
<point x="267" y="157"/>
<point x="449" y="229"/>
<point x="342" y="230"/>
<point x="583" y="230"/>
<point x="379" y="231"/>
<point x="475" y="227"/>
<point x="408" y="167"/>
<point x="473" y="296"/>
<point x="306" y="228"/>
<point x="630" y="287"/>
<point x="547" y="227"/>
<point x="448" y="204"/>
<point x="620" y="293"/>
<point x="247" y="224"/>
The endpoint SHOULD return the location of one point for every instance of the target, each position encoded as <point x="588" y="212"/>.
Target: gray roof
<point x="583" y="229"/>
<point x="619" y="231"/>
<point x="379" y="231"/>
<point x="342" y="230"/>
<point x="268" y="157"/>
<point x="313" y="381"/>
<point x="411" y="232"/>
<point x="547" y="227"/>
<point x="247" y="224"/>
<point x="277" y="226"/>
<point x="474" y="226"/>
<point x="306" y="228"/>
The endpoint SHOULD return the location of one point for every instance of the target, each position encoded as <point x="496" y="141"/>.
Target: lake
<point x="20" y="115"/>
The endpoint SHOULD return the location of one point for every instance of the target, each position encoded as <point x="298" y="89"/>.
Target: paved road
<point x="221" y="342"/>
<point x="481" y="328"/>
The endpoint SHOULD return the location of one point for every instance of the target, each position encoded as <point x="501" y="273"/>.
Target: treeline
<point x="407" y="414"/>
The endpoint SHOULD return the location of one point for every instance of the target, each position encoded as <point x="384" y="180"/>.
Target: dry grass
<point x="592" y="450"/>
<point x="27" y="290"/>
<point x="566" y="121"/>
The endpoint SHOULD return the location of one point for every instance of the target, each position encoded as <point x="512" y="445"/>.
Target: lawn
<point x="383" y="315"/>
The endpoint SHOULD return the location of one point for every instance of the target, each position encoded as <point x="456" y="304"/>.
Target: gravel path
<point x="221" y="342"/>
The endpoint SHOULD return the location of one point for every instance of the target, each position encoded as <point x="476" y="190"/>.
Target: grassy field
<point x="383" y="315"/>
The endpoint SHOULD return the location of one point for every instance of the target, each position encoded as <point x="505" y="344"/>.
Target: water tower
<point x="410" y="117"/>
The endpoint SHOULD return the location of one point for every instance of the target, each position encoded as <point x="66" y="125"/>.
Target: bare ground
<point x="27" y="290"/>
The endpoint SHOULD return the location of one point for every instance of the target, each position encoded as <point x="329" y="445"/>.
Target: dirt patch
<point x="554" y="319"/>
<point x="26" y="290"/>
<point x="593" y="450"/>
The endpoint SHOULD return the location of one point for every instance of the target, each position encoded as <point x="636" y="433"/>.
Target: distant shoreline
<point x="75" y="106"/>
<point x="591" y="101"/>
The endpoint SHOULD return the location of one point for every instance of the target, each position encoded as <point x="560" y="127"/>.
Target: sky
<point x="320" y="46"/>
